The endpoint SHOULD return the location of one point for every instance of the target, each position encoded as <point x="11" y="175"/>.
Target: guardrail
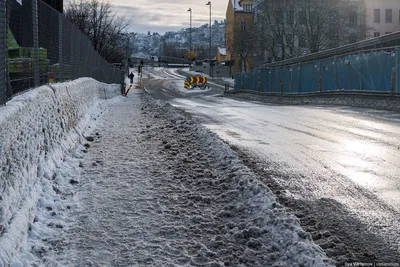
<point x="380" y="43"/>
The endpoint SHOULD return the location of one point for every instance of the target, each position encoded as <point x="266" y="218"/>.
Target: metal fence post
<point x="35" y="32"/>
<point x="336" y="74"/>
<point x="270" y="80"/>
<point x="359" y="70"/>
<point x="320" y="82"/>
<point x="291" y="78"/>
<point x="397" y="69"/>
<point x="3" y="53"/>
<point x="60" y="47"/>
<point x="393" y="78"/>
<point x="299" y="81"/>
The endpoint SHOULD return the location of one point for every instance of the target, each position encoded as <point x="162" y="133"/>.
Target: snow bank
<point x="358" y="100"/>
<point x="230" y="81"/>
<point x="195" y="73"/>
<point x="36" y="130"/>
<point x="263" y="223"/>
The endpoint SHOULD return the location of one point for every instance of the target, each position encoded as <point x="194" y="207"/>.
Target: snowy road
<point x="336" y="168"/>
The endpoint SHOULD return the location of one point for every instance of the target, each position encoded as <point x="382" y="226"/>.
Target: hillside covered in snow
<point x="147" y="45"/>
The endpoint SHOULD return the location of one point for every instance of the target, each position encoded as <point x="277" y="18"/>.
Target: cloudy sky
<point x="168" y="15"/>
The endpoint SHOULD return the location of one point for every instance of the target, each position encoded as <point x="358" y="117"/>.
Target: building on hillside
<point x="221" y="54"/>
<point x="381" y="17"/>
<point x="239" y="20"/>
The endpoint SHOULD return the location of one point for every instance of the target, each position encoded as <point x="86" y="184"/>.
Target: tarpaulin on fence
<point x="363" y="71"/>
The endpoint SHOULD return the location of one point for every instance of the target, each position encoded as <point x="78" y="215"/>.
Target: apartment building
<point x="381" y="17"/>
<point x="239" y="17"/>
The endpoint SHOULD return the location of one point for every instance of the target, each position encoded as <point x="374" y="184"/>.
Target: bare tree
<point x="277" y="26"/>
<point x="96" y="20"/>
<point x="244" y="44"/>
<point x="330" y="23"/>
<point x="288" y="28"/>
<point x="320" y="20"/>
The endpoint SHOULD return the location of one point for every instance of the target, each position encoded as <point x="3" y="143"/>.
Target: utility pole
<point x="209" y="4"/>
<point x="234" y="37"/>
<point x="127" y="53"/>
<point x="190" y="34"/>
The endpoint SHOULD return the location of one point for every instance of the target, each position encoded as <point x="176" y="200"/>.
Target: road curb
<point x="380" y="101"/>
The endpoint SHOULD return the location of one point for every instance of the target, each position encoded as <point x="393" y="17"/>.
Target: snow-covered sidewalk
<point x="158" y="189"/>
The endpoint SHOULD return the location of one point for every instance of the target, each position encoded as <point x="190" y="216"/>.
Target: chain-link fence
<point x="38" y="45"/>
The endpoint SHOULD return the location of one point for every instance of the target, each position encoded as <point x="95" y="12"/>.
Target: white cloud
<point x="167" y="15"/>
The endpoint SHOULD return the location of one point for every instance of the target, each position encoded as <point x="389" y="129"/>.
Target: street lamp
<point x="209" y="4"/>
<point x="190" y="36"/>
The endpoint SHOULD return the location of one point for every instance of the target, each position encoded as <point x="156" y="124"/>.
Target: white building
<point x="381" y="17"/>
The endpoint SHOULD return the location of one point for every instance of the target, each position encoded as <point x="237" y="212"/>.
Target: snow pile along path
<point x="158" y="189"/>
<point x="355" y="99"/>
<point x="36" y="130"/>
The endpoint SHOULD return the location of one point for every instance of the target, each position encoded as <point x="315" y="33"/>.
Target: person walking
<point x="131" y="77"/>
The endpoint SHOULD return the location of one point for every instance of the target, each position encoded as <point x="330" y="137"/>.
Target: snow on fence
<point x="38" y="45"/>
<point x="36" y="128"/>
<point x="374" y="71"/>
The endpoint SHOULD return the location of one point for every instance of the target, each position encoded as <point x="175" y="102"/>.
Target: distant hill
<point x="147" y="45"/>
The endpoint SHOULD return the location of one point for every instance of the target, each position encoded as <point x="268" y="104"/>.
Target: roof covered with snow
<point x="236" y="5"/>
<point x="222" y="51"/>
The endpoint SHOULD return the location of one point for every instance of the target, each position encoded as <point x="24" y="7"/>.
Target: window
<point x="248" y="7"/>
<point x="302" y="17"/>
<point x="377" y="34"/>
<point x="377" y="16"/>
<point x="243" y="25"/>
<point x="388" y="16"/>
<point x="290" y="18"/>
<point x="353" y="18"/>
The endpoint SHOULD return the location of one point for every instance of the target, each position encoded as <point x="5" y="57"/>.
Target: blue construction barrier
<point x="365" y="71"/>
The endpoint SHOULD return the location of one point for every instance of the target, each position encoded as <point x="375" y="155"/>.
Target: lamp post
<point x="190" y="34"/>
<point x="209" y="4"/>
<point x="234" y="37"/>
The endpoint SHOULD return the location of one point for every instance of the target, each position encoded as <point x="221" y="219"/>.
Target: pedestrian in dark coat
<point x="131" y="77"/>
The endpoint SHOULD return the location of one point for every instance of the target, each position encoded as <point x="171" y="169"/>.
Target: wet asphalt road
<point x="336" y="168"/>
